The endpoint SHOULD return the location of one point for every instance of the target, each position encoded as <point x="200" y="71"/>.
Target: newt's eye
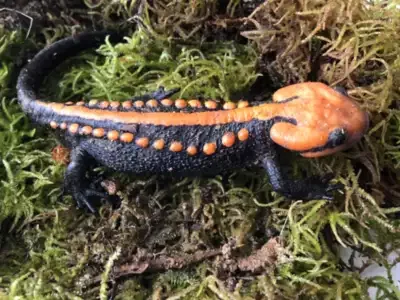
<point x="341" y="90"/>
<point x="337" y="137"/>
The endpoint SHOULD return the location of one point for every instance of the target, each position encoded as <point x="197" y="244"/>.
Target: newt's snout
<point x="327" y="120"/>
<point x="351" y="121"/>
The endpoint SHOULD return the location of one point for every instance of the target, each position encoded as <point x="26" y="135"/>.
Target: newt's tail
<point x="33" y="74"/>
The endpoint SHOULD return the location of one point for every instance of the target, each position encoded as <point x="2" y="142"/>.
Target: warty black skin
<point x="259" y="149"/>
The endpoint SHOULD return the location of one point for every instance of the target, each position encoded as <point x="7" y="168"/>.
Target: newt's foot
<point x="312" y="188"/>
<point x="87" y="195"/>
<point x="158" y="95"/>
<point x="83" y="201"/>
<point x="161" y="93"/>
<point x="84" y="191"/>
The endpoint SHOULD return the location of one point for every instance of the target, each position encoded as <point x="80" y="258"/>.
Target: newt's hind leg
<point x="76" y="183"/>
<point x="312" y="188"/>
<point x="158" y="95"/>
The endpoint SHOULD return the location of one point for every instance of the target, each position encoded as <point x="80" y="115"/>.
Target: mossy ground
<point x="215" y="238"/>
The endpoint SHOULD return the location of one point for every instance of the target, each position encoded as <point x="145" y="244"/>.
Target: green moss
<point x="213" y="70"/>
<point x="58" y="252"/>
<point x="29" y="179"/>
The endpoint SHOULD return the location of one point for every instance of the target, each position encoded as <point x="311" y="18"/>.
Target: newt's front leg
<point x="75" y="182"/>
<point x="158" y="95"/>
<point x="312" y="188"/>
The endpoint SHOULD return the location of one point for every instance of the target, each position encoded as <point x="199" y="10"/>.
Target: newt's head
<point x="327" y="120"/>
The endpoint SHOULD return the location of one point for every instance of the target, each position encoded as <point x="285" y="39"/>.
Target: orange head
<point x="326" y="119"/>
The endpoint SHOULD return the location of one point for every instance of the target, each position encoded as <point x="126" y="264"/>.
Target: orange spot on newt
<point x="142" y="142"/>
<point x="229" y="105"/>
<point x="242" y="104"/>
<point x="152" y="103"/>
<point x="176" y="146"/>
<point x="194" y="103"/>
<point x="93" y="102"/>
<point x="243" y="134"/>
<point x="113" y="135"/>
<point x="159" y="144"/>
<point x="126" y="137"/>
<point x="73" y="128"/>
<point x="167" y="102"/>
<point x="228" y="139"/>
<point x="98" y="132"/>
<point x="180" y="103"/>
<point x="86" y="130"/>
<point x="139" y="103"/>
<point x="191" y="150"/>
<point x="114" y="104"/>
<point x="127" y="104"/>
<point x="210" y="104"/>
<point x="209" y="148"/>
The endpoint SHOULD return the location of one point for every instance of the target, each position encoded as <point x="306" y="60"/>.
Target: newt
<point x="153" y="134"/>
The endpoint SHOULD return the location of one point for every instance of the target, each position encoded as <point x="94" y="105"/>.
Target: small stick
<point x="162" y="263"/>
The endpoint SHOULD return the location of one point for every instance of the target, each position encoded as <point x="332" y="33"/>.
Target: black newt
<point x="152" y="134"/>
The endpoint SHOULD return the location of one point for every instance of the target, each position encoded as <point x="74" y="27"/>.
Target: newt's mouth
<point x="340" y="139"/>
<point x="337" y="137"/>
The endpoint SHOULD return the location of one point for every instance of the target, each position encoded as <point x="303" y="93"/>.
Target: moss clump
<point x="28" y="174"/>
<point x="210" y="238"/>
<point x="351" y="43"/>
<point x="141" y="65"/>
